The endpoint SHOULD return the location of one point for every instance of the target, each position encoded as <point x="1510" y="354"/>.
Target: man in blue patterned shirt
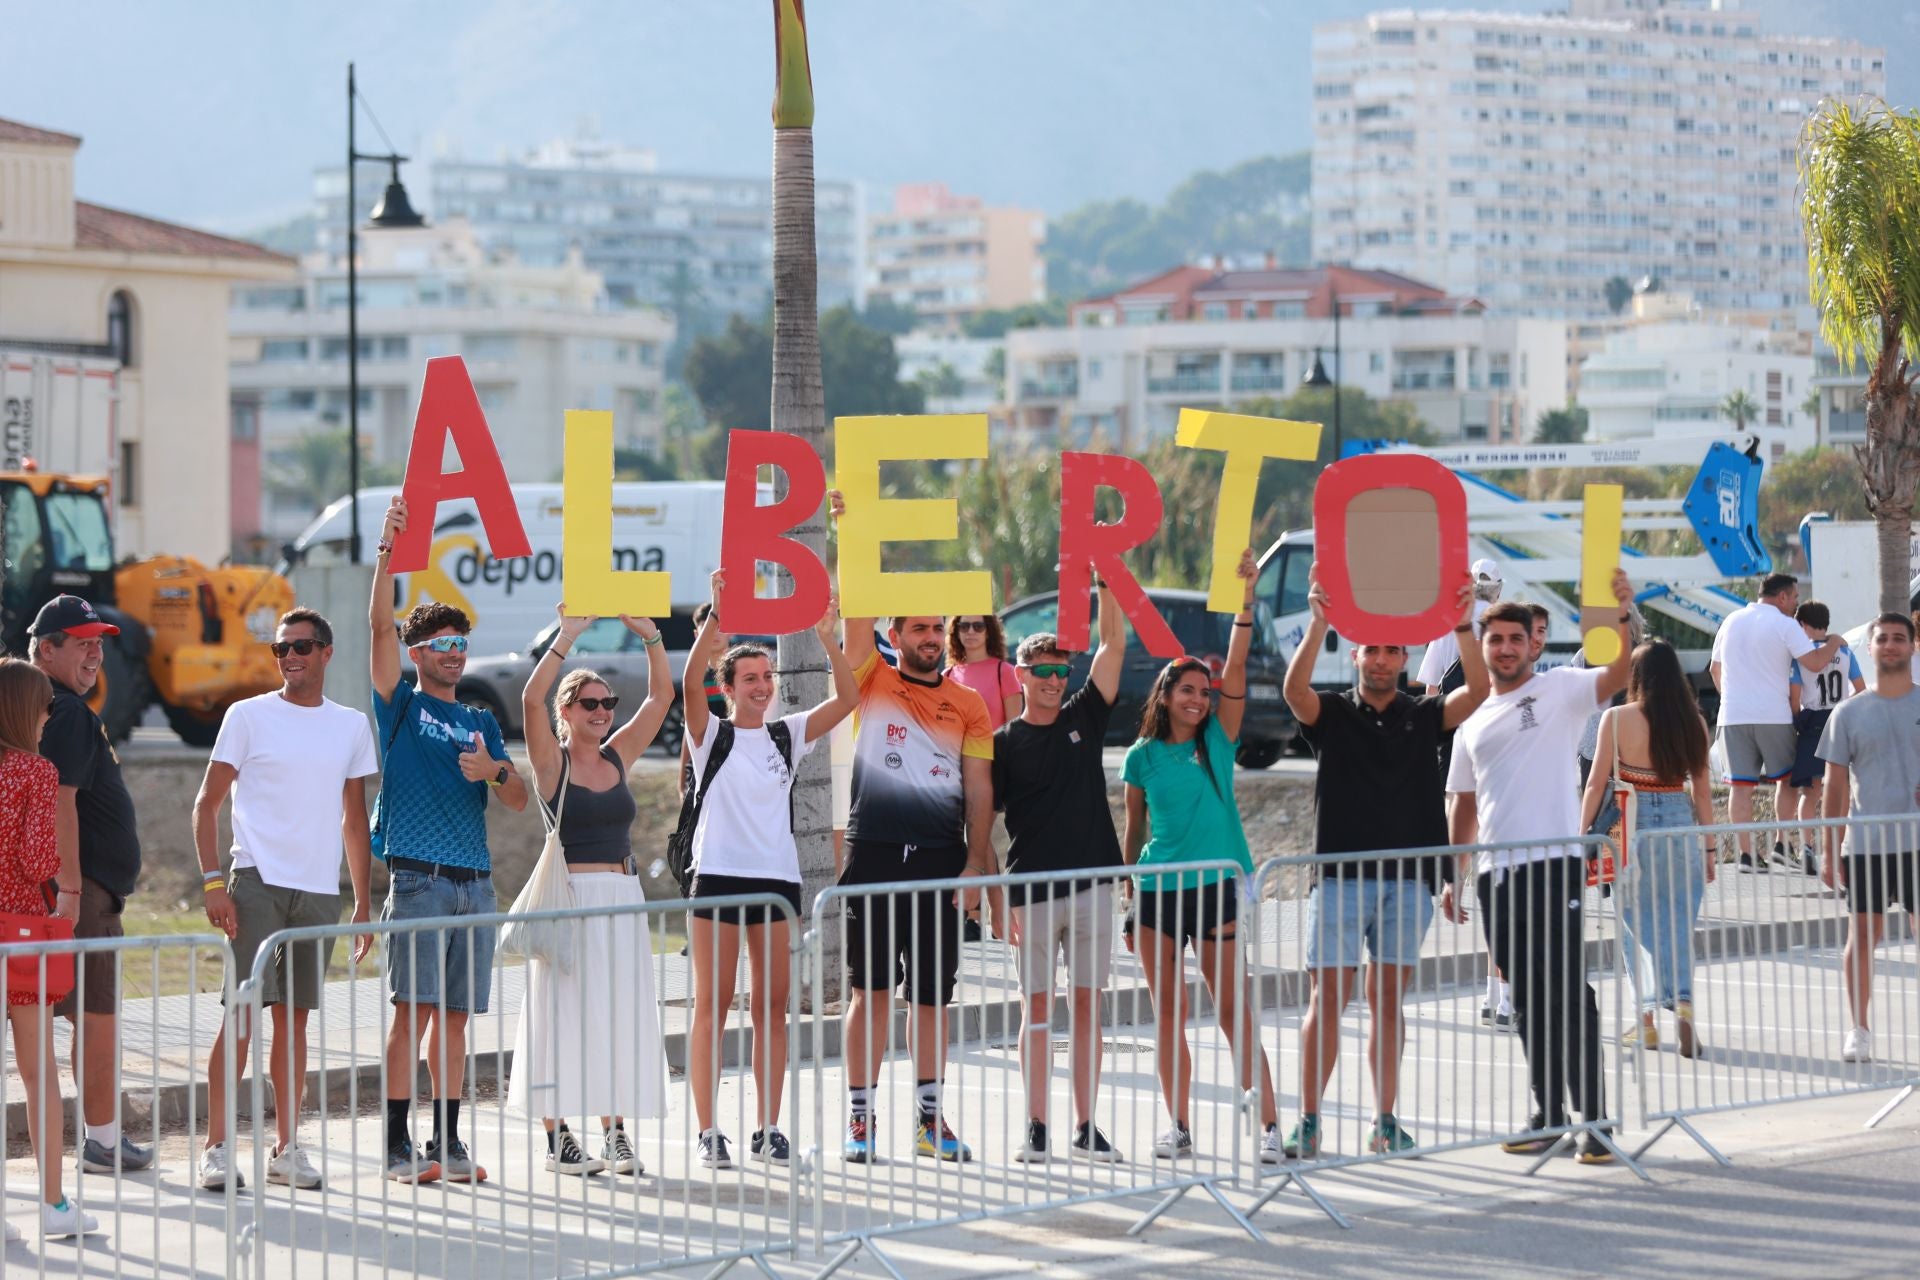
<point x="439" y="761"/>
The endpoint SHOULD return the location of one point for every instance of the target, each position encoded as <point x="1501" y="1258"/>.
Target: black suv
<point x="1268" y="725"/>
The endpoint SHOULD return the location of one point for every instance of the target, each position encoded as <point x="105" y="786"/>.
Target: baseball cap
<point x="1485" y="570"/>
<point x="72" y="615"/>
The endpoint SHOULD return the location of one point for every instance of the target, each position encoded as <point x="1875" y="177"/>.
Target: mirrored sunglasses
<point x="1051" y="670"/>
<point x="445" y="644"/>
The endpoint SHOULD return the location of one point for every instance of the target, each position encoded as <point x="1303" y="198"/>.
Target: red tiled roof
<point x="98" y="227"/>
<point x="14" y="131"/>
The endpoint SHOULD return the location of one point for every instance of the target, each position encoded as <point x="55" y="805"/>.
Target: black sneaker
<point x="769" y="1145"/>
<point x="970" y="930"/>
<point x="1091" y="1144"/>
<point x="1588" y="1149"/>
<point x="567" y="1157"/>
<point x="1034" y="1149"/>
<point x="1752" y="865"/>
<point x="711" y="1150"/>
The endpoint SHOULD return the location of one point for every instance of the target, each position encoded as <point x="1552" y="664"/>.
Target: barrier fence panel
<point x="1796" y="966"/>
<point x="1405" y="1028"/>
<point x="582" y="1154"/>
<point x="1079" y="1024"/>
<point x="145" y="1026"/>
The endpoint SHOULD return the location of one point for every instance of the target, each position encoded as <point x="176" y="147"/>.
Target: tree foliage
<point x="1739" y="408"/>
<point x="1816" y="480"/>
<point x="1028" y="315"/>
<point x="1561" y="426"/>
<point x="1619" y="293"/>
<point x="314" y="469"/>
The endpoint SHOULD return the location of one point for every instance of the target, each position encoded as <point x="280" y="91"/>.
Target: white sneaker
<point x="292" y="1168"/>
<point x="215" y="1166"/>
<point x="1176" y="1142"/>
<point x="1859" y="1046"/>
<point x="58" y="1221"/>
<point x="1270" y="1152"/>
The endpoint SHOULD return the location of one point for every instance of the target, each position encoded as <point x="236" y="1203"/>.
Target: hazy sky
<point x="216" y="112"/>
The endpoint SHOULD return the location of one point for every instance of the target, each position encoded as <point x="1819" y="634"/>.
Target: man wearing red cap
<point x="99" y="863"/>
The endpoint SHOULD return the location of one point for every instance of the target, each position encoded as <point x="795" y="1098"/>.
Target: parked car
<point x="1268" y="725"/>
<point x="495" y="682"/>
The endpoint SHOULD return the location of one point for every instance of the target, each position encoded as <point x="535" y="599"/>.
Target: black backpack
<point x="680" y="843"/>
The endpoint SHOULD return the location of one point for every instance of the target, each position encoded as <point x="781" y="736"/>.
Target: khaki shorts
<point x="1080" y="925"/>
<point x="262" y="910"/>
<point x="1759" y="752"/>
<point x="98" y="972"/>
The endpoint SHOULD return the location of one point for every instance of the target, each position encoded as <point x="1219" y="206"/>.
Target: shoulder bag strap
<point x="551" y="816"/>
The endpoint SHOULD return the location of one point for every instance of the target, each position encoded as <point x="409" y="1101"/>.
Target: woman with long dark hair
<point x="1651" y="752"/>
<point x="1180" y="808"/>
<point x="977" y="658"/>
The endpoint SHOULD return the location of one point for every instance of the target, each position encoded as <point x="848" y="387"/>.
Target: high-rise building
<point x="948" y="257"/>
<point x="1527" y="159"/>
<point x="690" y="243"/>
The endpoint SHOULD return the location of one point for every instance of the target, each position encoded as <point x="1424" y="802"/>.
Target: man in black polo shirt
<point x="99" y="864"/>
<point x="1379" y="787"/>
<point x="1049" y="779"/>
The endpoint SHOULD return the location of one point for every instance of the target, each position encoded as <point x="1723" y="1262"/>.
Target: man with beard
<point x="440" y="761"/>
<point x="99" y="865"/>
<point x="1378" y="788"/>
<point x="922" y="810"/>
<point x="297" y="765"/>
<point x="1513" y="779"/>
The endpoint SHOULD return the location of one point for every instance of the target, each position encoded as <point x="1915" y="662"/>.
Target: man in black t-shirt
<point x="99" y="864"/>
<point x="1049" y="779"/>
<point x="1379" y="787"/>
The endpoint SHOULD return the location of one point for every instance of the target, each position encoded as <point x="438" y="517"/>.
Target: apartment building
<point x="948" y="257"/>
<point x="1527" y="159"/>
<point x="1675" y="378"/>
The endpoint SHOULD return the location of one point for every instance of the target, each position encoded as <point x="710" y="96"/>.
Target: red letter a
<point x="449" y="407"/>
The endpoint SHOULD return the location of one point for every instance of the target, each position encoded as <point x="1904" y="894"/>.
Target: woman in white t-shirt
<point x="743" y="844"/>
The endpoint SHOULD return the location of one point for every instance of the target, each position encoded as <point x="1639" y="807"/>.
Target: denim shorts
<point x="1392" y="916"/>
<point x="454" y="962"/>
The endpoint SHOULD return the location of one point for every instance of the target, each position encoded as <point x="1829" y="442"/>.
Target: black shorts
<point x="706" y="886"/>
<point x="1189" y="915"/>
<point x="1808" y="767"/>
<point x="909" y="939"/>
<point x="1877" y="880"/>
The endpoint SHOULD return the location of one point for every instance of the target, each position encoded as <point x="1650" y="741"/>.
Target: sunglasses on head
<point x="966" y="624"/>
<point x="281" y="648"/>
<point x="445" y="644"/>
<point x="1050" y="670"/>
<point x="594" y="704"/>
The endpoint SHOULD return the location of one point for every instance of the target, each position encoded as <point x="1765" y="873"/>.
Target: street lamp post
<point x="1318" y="376"/>
<point x="394" y="210"/>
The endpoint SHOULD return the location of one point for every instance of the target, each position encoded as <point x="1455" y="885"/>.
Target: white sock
<point x="1505" y="1004"/>
<point x="107" y="1135"/>
<point x="1493" y="990"/>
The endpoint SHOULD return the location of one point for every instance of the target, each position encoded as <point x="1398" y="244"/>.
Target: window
<point x="128" y="484"/>
<point x="77" y="534"/>
<point x="1214" y="311"/>
<point x="27" y="554"/>
<point x="275" y="349"/>
<point x="120" y="327"/>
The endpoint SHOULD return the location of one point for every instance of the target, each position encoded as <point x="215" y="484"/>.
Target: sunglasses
<point x="1050" y="670"/>
<point x="964" y="625"/>
<point x="445" y="644"/>
<point x="281" y="648"/>
<point x="594" y="704"/>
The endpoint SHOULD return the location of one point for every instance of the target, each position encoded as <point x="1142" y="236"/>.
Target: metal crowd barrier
<point x="1761" y="957"/>
<point x="1411" y="1056"/>
<point x="153" y="1070"/>
<point x="908" y="946"/>
<point x="519" y="1217"/>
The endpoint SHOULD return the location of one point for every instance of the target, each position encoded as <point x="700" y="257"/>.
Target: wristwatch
<point x="500" y="779"/>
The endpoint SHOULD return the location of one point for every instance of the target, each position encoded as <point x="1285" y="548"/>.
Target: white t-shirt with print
<point x="1756" y="648"/>
<point x="746" y="826"/>
<point x="1516" y="754"/>
<point x="294" y="764"/>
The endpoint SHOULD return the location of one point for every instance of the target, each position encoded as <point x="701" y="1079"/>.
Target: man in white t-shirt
<point x="297" y="765"/>
<point x="1442" y="653"/>
<point x="1753" y="656"/>
<point x="1514" y="781"/>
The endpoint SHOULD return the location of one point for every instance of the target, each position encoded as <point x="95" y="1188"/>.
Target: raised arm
<point x="383" y="660"/>
<point x="543" y="748"/>
<point x="693" y="679"/>
<point x="1233" y="679"/>
<point x="1466" y="700"/>
<point x="846" y="690"/>
<point x="1111" y="656"/>
<point x="631" y="739"/>
<point x="1613" y="677"/>
<point x="1298" y="688"/>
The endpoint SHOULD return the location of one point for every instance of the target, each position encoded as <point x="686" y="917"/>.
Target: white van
<point x="657" y="526"/>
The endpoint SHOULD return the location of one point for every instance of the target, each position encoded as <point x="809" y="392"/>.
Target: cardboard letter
<point x="588" y="582"/>
<point x="860" y="445"/>
<point x="1390" y="533"/>
<point x="1086" y="545"/>
<point x="1600" y="521"/>
<point x="1247" y="442"/>
<point x="750" y="533"/>
<point x="449" y="407"/>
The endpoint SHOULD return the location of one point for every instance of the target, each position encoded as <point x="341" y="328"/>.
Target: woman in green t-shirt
<point x="1181" y="769"/>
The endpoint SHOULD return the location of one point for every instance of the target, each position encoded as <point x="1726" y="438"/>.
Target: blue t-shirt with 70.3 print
<point x="1190" y="808"/>
<point x="428" y="809"/>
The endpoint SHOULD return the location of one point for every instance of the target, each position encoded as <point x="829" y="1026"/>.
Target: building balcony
<point x="1254" y="380"/>
<point x="1185" y="382"/>
<point x="1423" y="380"/>
<point x="1049" y="388"/>
<point x="1845" y="423"/>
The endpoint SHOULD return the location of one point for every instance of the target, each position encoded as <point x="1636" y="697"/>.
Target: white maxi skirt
<point x="589" y="1041"/>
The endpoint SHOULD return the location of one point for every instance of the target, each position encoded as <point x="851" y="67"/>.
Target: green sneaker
<point x="1304" y="1142"/>
<point x="1388" y="1136"/>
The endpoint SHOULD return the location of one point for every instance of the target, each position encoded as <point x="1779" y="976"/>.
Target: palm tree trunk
<point x="1890" y="465"/>
<point x="800" y="407"/>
